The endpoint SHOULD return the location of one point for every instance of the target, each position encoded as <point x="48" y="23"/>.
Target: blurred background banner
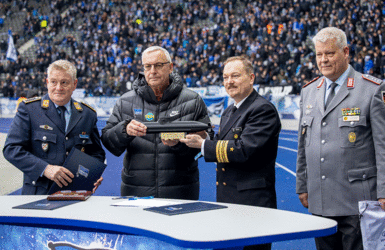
<point x="215" y="99"/>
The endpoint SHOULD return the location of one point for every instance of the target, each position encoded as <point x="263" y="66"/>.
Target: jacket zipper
<point x="156" y="156"/>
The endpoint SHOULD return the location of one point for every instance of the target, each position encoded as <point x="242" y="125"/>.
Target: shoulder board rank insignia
<point x="85" y="104"/>
<point x="45" y="104"/>
<point x="372" y="79"/>
<point x="78" y="106"/>
<point x="31" y="99"/>
<point x="315" y="79"/>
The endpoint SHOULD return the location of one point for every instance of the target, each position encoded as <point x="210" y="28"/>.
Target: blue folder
<point x="86" y="169"/>
<point x="185" y="208"/>
<point x="45" y="204"/>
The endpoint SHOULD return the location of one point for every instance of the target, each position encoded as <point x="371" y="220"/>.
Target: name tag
<point x="353" y="118"/>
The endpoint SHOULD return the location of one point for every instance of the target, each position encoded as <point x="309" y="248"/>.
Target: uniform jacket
<point x="245" y="149"/>
<point x="150" y="167"/>
<point x="36" y="139"/>
<point x="341" y="150"/>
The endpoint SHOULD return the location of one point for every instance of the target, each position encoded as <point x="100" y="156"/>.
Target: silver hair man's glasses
<point x="157" y="66"/>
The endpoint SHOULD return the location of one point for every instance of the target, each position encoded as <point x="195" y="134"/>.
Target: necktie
<point x="331" y="94"/>
<point x="233" y="109"/>
<point x="62" y="116"/>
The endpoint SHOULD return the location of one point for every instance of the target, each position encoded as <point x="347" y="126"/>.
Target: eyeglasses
<point x="157" y="66"/>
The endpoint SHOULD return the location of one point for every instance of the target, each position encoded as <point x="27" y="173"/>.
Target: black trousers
<point x="348" y="236"/>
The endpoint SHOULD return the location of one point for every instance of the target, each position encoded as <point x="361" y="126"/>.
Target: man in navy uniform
<point x="45" y="129"/>
<point x="246" y="146"/>
<point x="341" y="142"/>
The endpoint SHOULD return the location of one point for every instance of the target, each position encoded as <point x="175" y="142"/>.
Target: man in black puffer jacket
<point x="155" y="167"/>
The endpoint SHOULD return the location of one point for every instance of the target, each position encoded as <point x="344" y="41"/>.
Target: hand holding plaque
<point x="175" y="130"/>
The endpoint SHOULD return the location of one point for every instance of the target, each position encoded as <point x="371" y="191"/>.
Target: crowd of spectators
<point x="200" y="35"/>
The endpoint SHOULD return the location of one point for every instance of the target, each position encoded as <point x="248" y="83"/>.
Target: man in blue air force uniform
<point x="45" y="129"/>
<point x="341" y="144"/>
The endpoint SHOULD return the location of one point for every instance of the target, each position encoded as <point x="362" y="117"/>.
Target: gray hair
<point x="63" y="65"/>
<point x="331" y="33"/>
<point x="155" y="48"/>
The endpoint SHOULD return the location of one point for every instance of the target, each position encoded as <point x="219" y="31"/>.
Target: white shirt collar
<point x="242" y="101"/>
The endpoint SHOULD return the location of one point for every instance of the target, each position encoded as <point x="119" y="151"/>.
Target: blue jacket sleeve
<point x="17" y="146"/>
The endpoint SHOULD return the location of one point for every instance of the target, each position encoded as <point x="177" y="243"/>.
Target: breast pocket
<point x="306" y="127"/>
<point x="351" y="133"/>
<point x="45" y="146"/>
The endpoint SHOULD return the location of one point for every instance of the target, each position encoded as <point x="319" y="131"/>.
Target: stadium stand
<point x="105" y="39"/>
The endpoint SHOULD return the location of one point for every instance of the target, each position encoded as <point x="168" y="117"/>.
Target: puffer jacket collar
<point x="142" y="88"/>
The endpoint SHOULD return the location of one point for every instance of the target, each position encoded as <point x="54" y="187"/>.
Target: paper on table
<point x="144" y="203"/>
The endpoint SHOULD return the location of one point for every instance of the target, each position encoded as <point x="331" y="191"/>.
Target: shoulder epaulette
<point x="372" y="79"/>
<point x="87" y="105"/>
<point x="34" y="99"/>
<point x="315" y="79"/>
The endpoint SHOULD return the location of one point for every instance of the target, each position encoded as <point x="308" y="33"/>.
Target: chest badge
<point x="308" y="109"/>
<point x="84" y="135"/>
<point x="352" y="137"/>
<point x="137" y="112"/>
<point x="236" y="132"/>
<point x="45" y="146"/>
<point x="351" y="114"/>
<point x="45" y="127"/>
<point x="149" y="116"/>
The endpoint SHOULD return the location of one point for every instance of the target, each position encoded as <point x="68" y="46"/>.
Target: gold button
<point x="217" y="183"/>
<point x="223" y="169"/>
<point x="216" y="169"/>
<point x="224" y="184"/>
